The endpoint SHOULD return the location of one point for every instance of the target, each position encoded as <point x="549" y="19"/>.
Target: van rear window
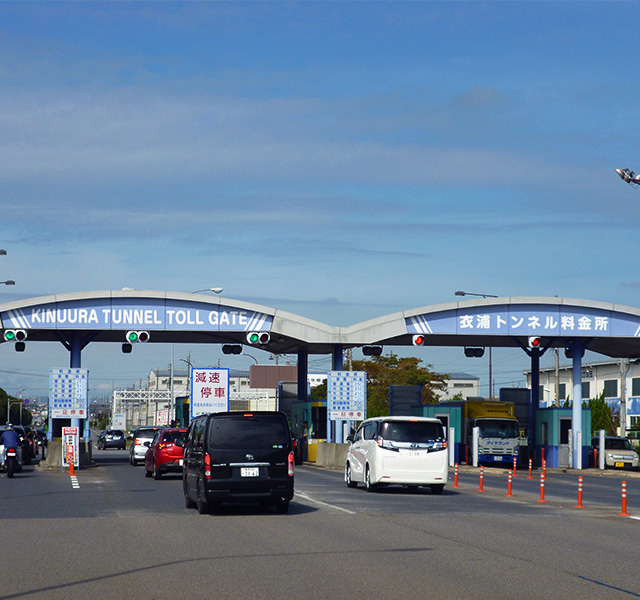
<point x="411" y="431"/>
<point x="230" y="433"/>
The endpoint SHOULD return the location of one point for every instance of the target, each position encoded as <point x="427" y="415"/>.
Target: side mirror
<point x="350" y="438"/>
<point x="147" y="444"/>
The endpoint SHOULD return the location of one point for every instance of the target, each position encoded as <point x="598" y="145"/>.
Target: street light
<point x="461" y="293"/>
<point x="215" y="290"/>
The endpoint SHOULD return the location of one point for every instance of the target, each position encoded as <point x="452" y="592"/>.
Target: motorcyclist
<point x="10" y="439"/>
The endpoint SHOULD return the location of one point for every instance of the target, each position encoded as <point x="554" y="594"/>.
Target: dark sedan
<point x="112" y="438"/>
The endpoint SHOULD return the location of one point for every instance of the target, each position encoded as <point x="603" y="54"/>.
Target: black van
<point x="238" y="457"/>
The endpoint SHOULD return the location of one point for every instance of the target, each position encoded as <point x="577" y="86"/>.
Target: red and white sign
<point x="70" y="447"/>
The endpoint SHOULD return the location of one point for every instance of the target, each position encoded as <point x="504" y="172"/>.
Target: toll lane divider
<point x="543" y="478"/>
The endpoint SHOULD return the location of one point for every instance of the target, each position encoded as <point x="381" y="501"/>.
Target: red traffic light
<point x="418" y="340"/>
<point x="535" y="342"/>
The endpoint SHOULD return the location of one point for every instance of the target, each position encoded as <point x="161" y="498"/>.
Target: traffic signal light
<point x="474" y="352"/>
<point x="418" y="340"/>
<point x="137" y="337"/>
<point x="15" y="335"/>
<point x="231" y="349"/>
<point x="372" y="350"/>
<point x="258" y="337"/>
<point x="535" y="342"/>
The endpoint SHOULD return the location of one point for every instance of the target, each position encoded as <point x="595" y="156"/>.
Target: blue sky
<point x="337" y="160"/>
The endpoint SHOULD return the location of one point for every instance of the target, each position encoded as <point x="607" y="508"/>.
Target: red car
<point x="163" y="455"/>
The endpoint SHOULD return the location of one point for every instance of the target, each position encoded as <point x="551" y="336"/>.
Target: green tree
<point x="14" y="415"/>
<point x="601" y="417"/>
<point x="384" y="371"/>
<point x="319" y="392"/>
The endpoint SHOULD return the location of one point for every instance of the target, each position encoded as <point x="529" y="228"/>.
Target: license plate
<point x="497" y="458"/>
<point x="412" y="453"/>
<point x="249" y="471"/>
<point x="620" y="465"/>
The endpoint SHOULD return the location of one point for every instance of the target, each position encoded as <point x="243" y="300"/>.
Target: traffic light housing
<point x="535" y="342"/>
<point x="474" y="352"/>
<point x="231" y="349"/>
<point x="18" y="336"/>
<point x="258" y="338"/>
<point x="418" y="340"/>
<point x="372" y="350"/>
<point x="137" y="337"/>
<point x="15" y="335"/>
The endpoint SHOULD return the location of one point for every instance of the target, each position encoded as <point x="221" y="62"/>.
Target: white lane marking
<point x="75" y="484"/>
<point x="310" y="499"/>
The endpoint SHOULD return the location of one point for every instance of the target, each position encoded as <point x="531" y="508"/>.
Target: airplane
<point x="629" y="176"/>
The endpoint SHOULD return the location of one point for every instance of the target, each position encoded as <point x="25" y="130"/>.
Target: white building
<point x="463" y="384"/>
<point x="597" y="377"/>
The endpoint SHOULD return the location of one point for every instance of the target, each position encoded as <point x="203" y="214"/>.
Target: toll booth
<point x="451" y="416"/>
<point x="553" y="426"/>
<point x="181" y="415"/>
<point x="314" y="412"/>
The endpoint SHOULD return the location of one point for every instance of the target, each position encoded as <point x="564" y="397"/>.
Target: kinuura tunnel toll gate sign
<point x="124" y="313"/>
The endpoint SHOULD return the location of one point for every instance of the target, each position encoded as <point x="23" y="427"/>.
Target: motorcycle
<point x="12" y="463"/>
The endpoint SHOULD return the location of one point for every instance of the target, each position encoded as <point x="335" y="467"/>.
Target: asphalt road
<point x="117" y="534"/>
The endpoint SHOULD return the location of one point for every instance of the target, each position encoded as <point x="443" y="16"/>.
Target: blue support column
<point x="303" y="375"/>
<point x="535" y="400"/>
<point x="577" y="349"/>
<point x="336" y="364"/>
<point x="75" y="362"/>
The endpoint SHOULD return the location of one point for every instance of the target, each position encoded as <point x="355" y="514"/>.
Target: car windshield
<point x="231" y="433"/>
<point x="498" y="428"/>
<point x="147" y="434"/>
<point x="115" y="432"/>
<point x="617" y="444"/>
<point x="172" y="436"/>
<point x="420" y="432"/>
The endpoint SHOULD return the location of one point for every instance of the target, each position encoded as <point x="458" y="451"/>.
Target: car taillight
<point x="290" y="464"/>
<point x="207" y="466"/>
<point x="164" y="445"/>
<point x="138" y="442"/>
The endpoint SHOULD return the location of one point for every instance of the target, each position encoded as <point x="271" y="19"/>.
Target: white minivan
<point x="409" y="451"/>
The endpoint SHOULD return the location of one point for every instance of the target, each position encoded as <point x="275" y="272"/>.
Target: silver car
<point x="138" y="450"/>
<point x="618" y="453"/>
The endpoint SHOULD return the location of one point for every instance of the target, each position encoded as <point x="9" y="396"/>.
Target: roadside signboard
<point x="70" y="447"/>
<point x="68" y="393"/>
<point x="119" y="421"/>
<point x="162" y="417"/>
<point x="209" y="391"/>
<point x="347" y="395"/>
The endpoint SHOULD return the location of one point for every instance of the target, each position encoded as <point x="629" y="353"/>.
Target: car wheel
<point x="282" y="507"/>
<point x="370" y="487"/>
<point x="437" y="488"/>
<point x="347" y="477"/>
<point x="156" y="474"/>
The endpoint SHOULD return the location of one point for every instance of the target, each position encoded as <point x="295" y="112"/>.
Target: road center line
<point x="310" y="499"/>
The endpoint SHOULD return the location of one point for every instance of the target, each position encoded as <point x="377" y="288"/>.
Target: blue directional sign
<point x="68" y="393"/>
<point x="136" y="313"/>
<point x="347" y="395"/>
<point x="526" y="320"/>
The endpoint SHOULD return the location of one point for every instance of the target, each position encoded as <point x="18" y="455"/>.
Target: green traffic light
<point x="133" y="336"/>
<point x="9" y="335"/>
<point x="253" y="338"/>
